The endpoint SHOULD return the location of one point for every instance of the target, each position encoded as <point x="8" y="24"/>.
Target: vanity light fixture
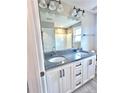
<point x="52" y="5"/>
<point x="77" y="12"/>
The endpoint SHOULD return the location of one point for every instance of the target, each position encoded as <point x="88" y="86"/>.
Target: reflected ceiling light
<point x="43" y="4"/>
<point x="77" y="12"/>
<point x="74" y="12"/>
<point x="60" y="7"/>
<point x="52" y="5"/>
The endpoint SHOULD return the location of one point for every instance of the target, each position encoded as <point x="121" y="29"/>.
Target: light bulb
<point x="52" y="5"/>
<point x="43" y="4"/>
<point x="60" y="8"/>
<point x="79" y="13"/>
<point x="74" y="12"/>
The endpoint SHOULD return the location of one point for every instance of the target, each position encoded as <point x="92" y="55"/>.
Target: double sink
<point x="57" y="59"/>
<point x="64" y="58"/>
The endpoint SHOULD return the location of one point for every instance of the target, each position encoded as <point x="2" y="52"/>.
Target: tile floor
<point x="89" y="87"/>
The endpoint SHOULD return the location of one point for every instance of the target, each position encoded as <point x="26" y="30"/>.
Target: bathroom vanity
<point x="67" y="66"/>
<point x="67" y="76"/>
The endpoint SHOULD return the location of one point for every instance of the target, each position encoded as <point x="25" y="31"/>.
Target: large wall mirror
<point x="61" y="38"/>
<point x="64" y="30"/>
<point x="59" y="31"/>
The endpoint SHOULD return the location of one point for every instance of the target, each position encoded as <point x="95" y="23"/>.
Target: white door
<point x="54" y="81"/>
<point x="35" y="63"/>
<point x="66" y="79"/>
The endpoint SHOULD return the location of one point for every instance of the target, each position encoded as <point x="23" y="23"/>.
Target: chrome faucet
<point x="53" y="51"/>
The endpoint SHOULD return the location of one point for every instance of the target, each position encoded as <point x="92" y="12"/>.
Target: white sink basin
<point x="81" y="54"/>
<point x="56" y="59"/>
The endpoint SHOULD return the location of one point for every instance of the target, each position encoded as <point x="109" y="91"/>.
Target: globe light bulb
<point x="60" y="7"/>
<point x="52" y="5"/>
<point x="43" y="4"/>
<point x="80" y="13"/>
<point x="74" y="12"/>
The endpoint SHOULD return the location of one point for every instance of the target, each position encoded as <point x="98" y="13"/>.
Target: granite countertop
<point x="70" y="57"/>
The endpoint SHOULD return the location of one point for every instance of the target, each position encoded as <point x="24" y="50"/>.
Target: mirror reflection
<point x="61" y="38"/>
<point x="64" y="29"/>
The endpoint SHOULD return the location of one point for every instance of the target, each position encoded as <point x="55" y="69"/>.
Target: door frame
<point x="35" y="57"/>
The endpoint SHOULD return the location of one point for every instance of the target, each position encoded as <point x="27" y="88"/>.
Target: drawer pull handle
<point x="60" y="74"/>
<point x="78" y="65"/>
<point x="63" y="72"/>
<point x="78" y="84"/>
<point x="78" y="74"/>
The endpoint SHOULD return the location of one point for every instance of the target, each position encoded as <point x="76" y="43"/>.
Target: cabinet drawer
<point x="78" y="77"/>
<point x="78" y="72"/>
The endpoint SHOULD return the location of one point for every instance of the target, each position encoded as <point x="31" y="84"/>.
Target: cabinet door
<point x="91" y="68"/>
<point x="54" y="81"/>
<point x="66" y="79"/>
<point x="85" y="71"/>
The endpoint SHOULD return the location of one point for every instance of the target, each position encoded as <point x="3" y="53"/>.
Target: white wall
<point x="89" y="28"/>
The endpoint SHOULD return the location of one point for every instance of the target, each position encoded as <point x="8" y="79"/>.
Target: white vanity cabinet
<point x="67" y="78"/>
<point x="59" y="79"/>
<point x="53" y="80"/>
<point x="88" y="66"/>
<point x="85" y="71"/>
<point x="76" y="74"/>
<point x="91" y="68"/>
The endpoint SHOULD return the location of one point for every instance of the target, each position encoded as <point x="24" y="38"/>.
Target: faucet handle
<point x="53" y="49"/>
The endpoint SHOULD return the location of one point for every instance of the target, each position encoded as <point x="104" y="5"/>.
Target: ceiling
<point x="63" y="20"/>
<point x="58" y="20"/>
<point x="83" y="4"/>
